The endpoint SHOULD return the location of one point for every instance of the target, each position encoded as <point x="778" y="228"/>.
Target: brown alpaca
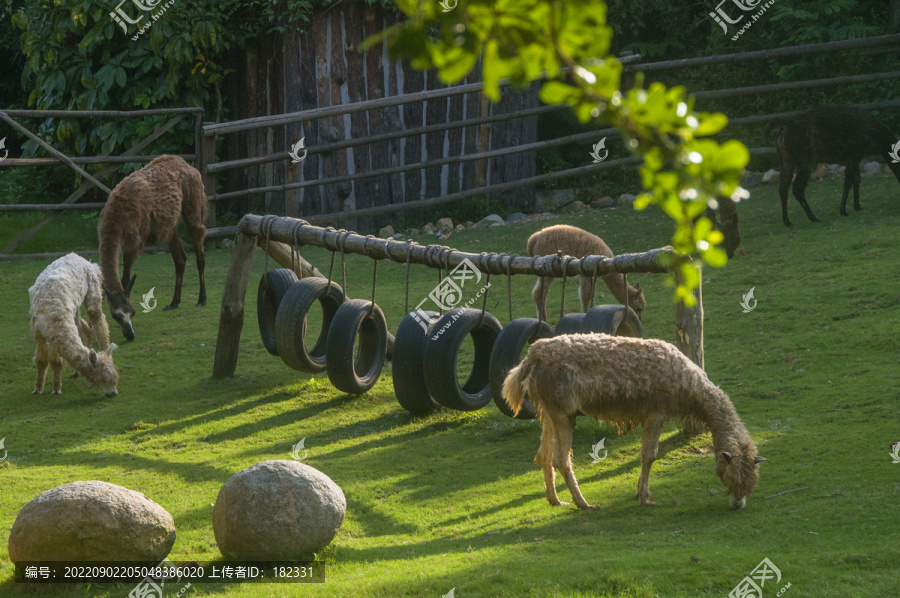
<point x="626" y="381"/>
<point x="144" y="208"/>
<point x="578" y="243"/>
<point x="831" y="134"/>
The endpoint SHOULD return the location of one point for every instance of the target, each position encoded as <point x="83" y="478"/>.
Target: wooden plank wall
<point x="320" y="66"/>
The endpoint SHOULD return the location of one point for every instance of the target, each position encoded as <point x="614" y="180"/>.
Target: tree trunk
<point x="689" y="339"/>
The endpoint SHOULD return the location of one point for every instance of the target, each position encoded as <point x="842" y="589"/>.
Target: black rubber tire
<point x="442" y="349"/>
<point x="410" y="387"/>
<point x="569" y="324"/>
<point x="355" y="374"/>
<point x="616" y="320"/>
<point x="290" y="323"/>
<point x="507" y="354"/>
<point x="272" y="287"/>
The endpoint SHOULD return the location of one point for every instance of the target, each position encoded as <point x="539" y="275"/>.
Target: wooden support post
<point x="206" y="154"/>
<point x="689" y="339"/>
<point x="231" y="316"/>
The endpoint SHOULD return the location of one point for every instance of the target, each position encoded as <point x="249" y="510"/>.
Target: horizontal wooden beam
<point x="87" y="160"/>
<point x="85" y="113"/>
<point x="291" y="230"/>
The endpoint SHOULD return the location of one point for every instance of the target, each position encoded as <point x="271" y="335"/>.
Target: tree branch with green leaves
<point x="565" y="44"/>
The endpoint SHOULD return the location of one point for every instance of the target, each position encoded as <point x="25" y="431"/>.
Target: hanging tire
<point x="442" y="347"/>
<point x="290" y="323"/>
<point x="410" y="387"/>
<point x="616" y="320"/>
<point x="349" y="371"/>
<point x="507" y="354"/>
<point x="272" y="287"/>
<point x="569" y="324"/>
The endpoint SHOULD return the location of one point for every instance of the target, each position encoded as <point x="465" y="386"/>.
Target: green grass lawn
<point x="454" y="500"/>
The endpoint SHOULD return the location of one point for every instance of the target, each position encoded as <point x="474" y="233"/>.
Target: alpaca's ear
<point x="110" y="348"/>
<point x="759" y="459"/>
<point x="637" y="286"/>
<point x="93" y="358"/>
<point x="130" y="285"/>
<point x="728" y="456"/>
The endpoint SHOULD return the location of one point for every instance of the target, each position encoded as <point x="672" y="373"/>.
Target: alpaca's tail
<point x="514" y="386"/>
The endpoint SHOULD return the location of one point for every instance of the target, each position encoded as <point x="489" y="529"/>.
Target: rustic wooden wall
<point x="321" y="66"/>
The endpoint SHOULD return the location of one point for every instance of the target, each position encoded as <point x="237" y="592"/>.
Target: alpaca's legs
<point x="198" y="236"/>
<point x="586" y="292"/>
<point x="800" y="190"/>
<point x="180" y="258"/>
<point x="539" y="294"/>
<point x="544" y="458"/>
<point x="56" y="365"/>
<point x="784" y="183"/>
<point x="851" y="177"/>
<point x="564" y="426"/>
<point x="649" y="447"/>
<point x="40" y="360"/>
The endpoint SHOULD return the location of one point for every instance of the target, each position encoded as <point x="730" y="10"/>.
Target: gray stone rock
<point x="459" y="227"/>
<point x="516" y="217"/>
<point x="751" y="179"/>
<point x="603" y="203"/>
<point x="91" y="521"/>
<point x="576" y="207"/>
<point x="428" y="229"/>
<point x="398" y="236"/>
<point x="771" y="177"/>
<point x="626" y="200"/>
<point x="469" y="224"/>
<point x="489" y="220"/>
<point x="872" y="168"/>
<point x="387" y="231"/>
<point x="444" y="224"/>
<point x="414" y="232"/>
<point x="277" y="510"/>
<point x="833" y="168"/>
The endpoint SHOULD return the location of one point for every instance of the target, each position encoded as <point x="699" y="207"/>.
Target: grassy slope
<point x="454" y="500"/>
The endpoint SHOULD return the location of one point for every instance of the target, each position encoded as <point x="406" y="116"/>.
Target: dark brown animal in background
<point x="833" y="135"/>
<point x="143" y="209"/>
<point x="626" y="381"/>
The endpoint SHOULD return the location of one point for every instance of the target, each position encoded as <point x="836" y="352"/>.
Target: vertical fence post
<point x="206" y="154"/>
<point x="231" y="315"/>
<point x="689" y="337"/>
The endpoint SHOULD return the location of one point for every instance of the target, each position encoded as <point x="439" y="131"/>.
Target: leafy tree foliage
<point x="566" y="44"/>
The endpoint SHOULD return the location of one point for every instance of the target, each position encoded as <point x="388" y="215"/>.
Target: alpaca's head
<point x="636" y="299"/>
<point x="101" y="371"/>
<point x="120" y="307"/>
<point x="739" y="471"/>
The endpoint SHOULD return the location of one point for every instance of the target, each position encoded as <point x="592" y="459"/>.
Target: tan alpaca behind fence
<point x="576" y="242"/>
<point x="626" y="381"/>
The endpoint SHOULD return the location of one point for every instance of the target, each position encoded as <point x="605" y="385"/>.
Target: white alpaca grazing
<point x="59" y="332"/>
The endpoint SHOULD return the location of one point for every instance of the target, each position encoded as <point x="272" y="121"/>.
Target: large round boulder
<point x="91" y="521"/>
<point x="277" y="510"/>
